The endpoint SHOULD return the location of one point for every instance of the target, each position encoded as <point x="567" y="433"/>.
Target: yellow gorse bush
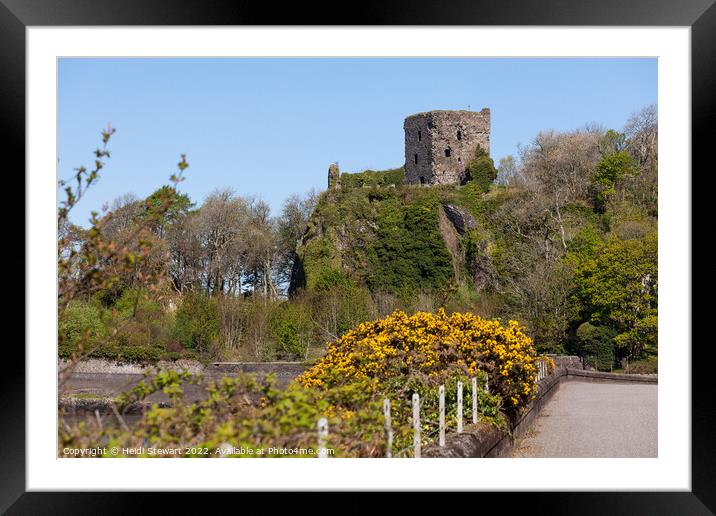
<point x="430" y="344"/>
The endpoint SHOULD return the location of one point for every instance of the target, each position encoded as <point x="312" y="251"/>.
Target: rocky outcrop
<point x="448" y="232"/>
<point x="460" y="217"/>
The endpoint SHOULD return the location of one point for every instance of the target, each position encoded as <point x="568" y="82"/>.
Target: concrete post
<point x="416" y="425"/>
<point x="388" y="429"/>
<point x="459" y="407"/>
<point x="474" y="401"/>
<point x="322" y="436"/>
<point x="441" y="391"/>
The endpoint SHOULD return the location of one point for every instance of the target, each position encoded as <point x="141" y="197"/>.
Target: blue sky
<point x="271" y="127"/>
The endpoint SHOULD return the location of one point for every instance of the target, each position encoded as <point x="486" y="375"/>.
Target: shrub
<point x="281" y="419"/>
<point x="340" y="308"/>
<point x="80" y="327"/>
<point x="649" y="365"/>
<point x="481" y="170"/>
<point x="136" y="303"/>
<point x="373" y="178"/>
<point x="610" y="170"/>
<point x="431" y="347"/>
<point x="642" y="339"/>
<point x="328" y="278"/>
<point x="284" y="420"/>
<point x="236" y="321"/>
<point x="197" y="322"/>
<point x="596" y="344"/>
<point x="291" y="327"/>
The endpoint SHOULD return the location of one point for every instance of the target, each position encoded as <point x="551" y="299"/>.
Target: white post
<point x="322" y="435"/>
<point x="416" y="425"/>
<point x="474" y="401"/>
<point x="441" y="391"/>
<point x="538" y="371"/>
<point x="388" y="429"/>
<point x="487" y="385"/>
<point x="459" y="407"/>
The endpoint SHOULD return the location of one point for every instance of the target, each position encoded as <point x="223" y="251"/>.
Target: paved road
<point x="595" y="419"/>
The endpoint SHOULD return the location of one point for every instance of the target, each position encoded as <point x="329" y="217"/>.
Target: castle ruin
<point x="334" y="176"/>
<point x="439" y="144"/>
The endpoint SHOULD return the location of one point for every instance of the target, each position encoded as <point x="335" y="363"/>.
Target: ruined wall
<point x="334" y="176"/>
<point x="438" y="144"/>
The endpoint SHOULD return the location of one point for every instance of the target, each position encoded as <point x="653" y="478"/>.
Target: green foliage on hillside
<point x="481" y="170"/>
<point x="617" y="286"/>
<point x="371" y="178"/>
<point x="568" y="238"/>
<point x="385" y="238"/>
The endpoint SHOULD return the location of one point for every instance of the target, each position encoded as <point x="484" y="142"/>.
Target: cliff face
<point x="396" y="239"/>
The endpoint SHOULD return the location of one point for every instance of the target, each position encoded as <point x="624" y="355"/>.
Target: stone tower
<point x="334" y="176"/>
<point x="439" y="144"/>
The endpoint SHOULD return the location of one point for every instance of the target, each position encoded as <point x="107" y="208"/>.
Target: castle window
<point x="420" y="137"/>
<point x="447" y="153"/>
<point x="416" y="159"/>
<point x="459" y="135"/>
<point x="422" y="180"/>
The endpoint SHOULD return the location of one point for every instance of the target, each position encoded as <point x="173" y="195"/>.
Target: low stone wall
<point x="599" y="376"/>
<point x="567" y="362"/>
<point x="283" y="371"/>
<point x="101" y="366"/>
<point x="484" y="440"/>
<point x="104" y="406"/>
<point x="94" y="384"/>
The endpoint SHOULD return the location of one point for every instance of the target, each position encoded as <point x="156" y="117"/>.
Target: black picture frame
<point x="700" y="15"/>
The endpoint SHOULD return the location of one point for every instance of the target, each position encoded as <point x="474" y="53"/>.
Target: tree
<point x="618" y="287"/>
<point x="641" y="131"/>
<point x="291" y="226"/>
<point x="544" y="303"/>
<point x="559" y="167"/>
<point x="261" y="250"/>
<point x="163" y="208"/>
<point x="481" y="170"/>
<point x="220" y="229"/>
<point x="506" y="171"/>
<point x="596" y="345"/>
<point x="610" y="171"/>
<point x="91" y="261"/>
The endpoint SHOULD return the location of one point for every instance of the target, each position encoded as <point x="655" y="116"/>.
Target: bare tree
<point x="219" y="228"/>
<point x="506" y="171"/>
<point x="642" y="131"/>
<point x="559" y="166"/>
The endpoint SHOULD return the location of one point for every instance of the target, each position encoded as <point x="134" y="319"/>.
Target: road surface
<point x="595" y="419"/>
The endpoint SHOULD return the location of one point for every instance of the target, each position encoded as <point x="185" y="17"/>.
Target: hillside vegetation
<point x="565" y="243"/>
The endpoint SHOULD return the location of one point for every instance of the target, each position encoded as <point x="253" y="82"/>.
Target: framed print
<point x="417" y="252"/>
